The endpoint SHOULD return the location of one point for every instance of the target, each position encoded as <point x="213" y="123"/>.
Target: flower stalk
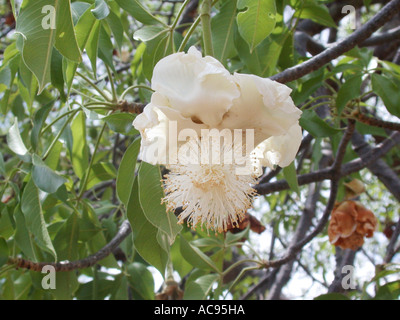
<point x="205" y="16"/>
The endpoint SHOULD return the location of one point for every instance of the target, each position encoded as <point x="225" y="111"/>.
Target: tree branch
<point x="122" y="233"/>
<point x="371" y="121"/>
<point x="391" y="251"/>
<point x="318" y="61"/>
<point x="379" y="39"/>
<point x="304" y="225"/>
<point x="326" y="174"/>
<point x="379" y="168"/>
<point x="343" y="258"/>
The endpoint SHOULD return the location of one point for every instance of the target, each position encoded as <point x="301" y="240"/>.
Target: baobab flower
<point x="211" y="193"/>
<point x="350" y="223"/>
<point x="194" y="93"/>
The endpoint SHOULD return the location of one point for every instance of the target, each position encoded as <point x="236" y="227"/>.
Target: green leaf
<point x="195" y="256"/>
<point x="3" y="252"/>
<point x="200" y="288"/>
<point x="27" y="84"/>
<point x="38" y="121"/>
<point x="101" y="9"/>
<point x="270" y="50"/>
<point x="23" y="236"/>
<point x="145" y="233"/>
<point x="308" y="87"/>
<point x="4" y="105"/>
<point x="53" y="157"/>
<point x="148" y="33"/>
<point x="32" y="210"/>
<point x="348" y="91"/>
<point x="263" y="60"/>
<point x="211" y="242"/>
<point x="66" y="244"/>
<point x="5" y="76"/>
<point x="66" y="285"/>
<point x="180" y="265"/>
<point x="126" y="172"/>
<point x="389" y="291"/>
<point x="17" y="286"/>
<point x="117" y="28"/>
<point x="78" y="8"/>
<point x="121" y="123"/>
<point x="141" y="281"/>
<point x="156" y="49"/>
<point x="80" y="156"/>
<point x="311" y="122"/>
<point x="57" y="74"/>
<point x="290" y="175"/>
<point x="15" y="142"/>
<point x="391" y="66"/>
<point x="100" y="172"/>
<point x="223" y="27"/>
<point x="372" y="130"/>
<point x="84" y="27"/>
<point x="92" y="45"/>
<point x="250" y="60"/>
<point x="36" y="43"/>
<point x="40" y="30"/>
<point x="138" y="11"/>
<point x="66" y="240"/>
<point x="6" y="226"/>
<point x="45" y="178"/>
<point x="2" y="166"/>
<point x="120" y="291"/>
<point x="318" y="13"/>
<point x="96" y="243"/>
<point x="106" y="48"/>
<point x="88" y="225"/>
<point x="388" y="91"/>
<point x="66" y="42"/>
<point x="150" y="195"/>
<point x="256" y="21"/>
<point x="332" y="296"/>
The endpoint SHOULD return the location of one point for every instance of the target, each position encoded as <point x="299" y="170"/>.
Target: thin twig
<point x="391" y="251"/>
<point x="318" y="61"/>
<point x="371" y="121"/>
<point x="326" y="174"/>
<point x="90" y="261"/>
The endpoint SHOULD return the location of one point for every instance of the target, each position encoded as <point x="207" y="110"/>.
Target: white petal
<point x="153" y="132"/>
<point x="199" y="88"/>
<point x="281" y="150"/>
<point x="160" y="126"/>
<point x="263" y="105"/>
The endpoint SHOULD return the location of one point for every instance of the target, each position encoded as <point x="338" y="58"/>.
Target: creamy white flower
<point x="280" y="150"/>
<point x="195" y="92"/>
<point x="200" y="88"/>
<point x="264" y="105"/>
<point x="211" y="195"/>
<point x="154" y="126"/>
